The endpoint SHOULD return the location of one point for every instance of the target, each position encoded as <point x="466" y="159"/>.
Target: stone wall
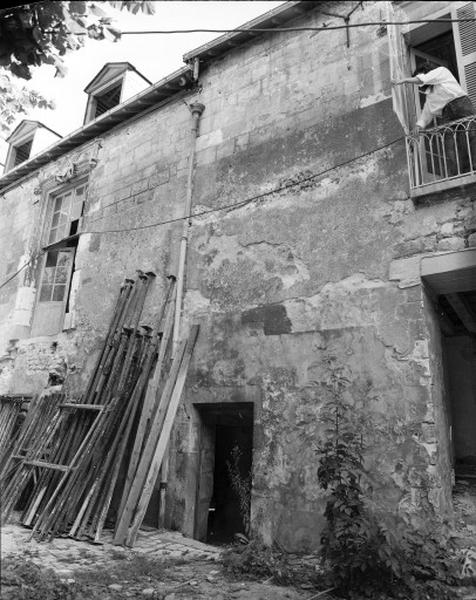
<point x="320" y="260"/>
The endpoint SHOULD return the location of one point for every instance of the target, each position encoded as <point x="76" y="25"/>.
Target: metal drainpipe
<point x="196" y="109"/>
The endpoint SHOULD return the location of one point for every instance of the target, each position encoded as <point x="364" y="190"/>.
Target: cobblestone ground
<point x="186" y="568"/>
<point x="191" y="570"/>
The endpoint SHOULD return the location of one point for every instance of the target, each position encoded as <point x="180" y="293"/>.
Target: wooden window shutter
<point x="465" y="44"/>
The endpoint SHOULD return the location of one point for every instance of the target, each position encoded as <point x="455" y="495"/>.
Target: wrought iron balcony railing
<point x="444" y="153"/>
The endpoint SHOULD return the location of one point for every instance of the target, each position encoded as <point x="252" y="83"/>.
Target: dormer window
<point x="108" y="99"/>
<point x="22" y="152"/>
<point x="115" y="83"/>
<point x="26" y="141"/>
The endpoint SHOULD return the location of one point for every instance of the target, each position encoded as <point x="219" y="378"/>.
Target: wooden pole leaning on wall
<point x="10" y="410"/>
<point x="163" y="339"/>
<point x="132" y="515"/>
<point x="164" y="437"/>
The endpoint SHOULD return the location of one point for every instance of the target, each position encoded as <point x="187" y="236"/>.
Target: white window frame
<point x="50" y="316"/>
<point x="72" y="213"/>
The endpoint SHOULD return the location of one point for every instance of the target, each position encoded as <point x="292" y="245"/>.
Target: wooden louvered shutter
<point x="465" y="43"/>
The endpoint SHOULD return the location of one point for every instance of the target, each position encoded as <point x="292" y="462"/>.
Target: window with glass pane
<point x="56" y="275"/>
<point x="67" y="209"/>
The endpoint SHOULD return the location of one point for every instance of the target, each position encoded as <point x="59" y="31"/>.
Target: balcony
<point x="442" y="158"/>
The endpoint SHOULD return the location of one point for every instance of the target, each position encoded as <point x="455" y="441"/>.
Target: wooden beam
<point x="453" y="261"/>
<point x="80" y="406"/>
<point x="46" y="465"/>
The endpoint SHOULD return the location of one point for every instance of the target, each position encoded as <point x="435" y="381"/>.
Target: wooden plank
<point x="36" y="434"/>
<point x="82" y="510"/>
<point x="452" y="261"/>
<point x="46" y="465"/>
<point x="125" y="291"/>
<point x="80" y="406"/>
<point x="49" y="512"/>
<point x="163" y="438"/>
<point x="147" y="454"/>
<point x="78" y="483"/>
<point x="123" y="437"/>
<point x="149" y="406"/>
<point x="107" y="455"/>
<point x="27" y="521"/>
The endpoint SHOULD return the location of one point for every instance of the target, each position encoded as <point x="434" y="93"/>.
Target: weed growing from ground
<point x="365" y="552"/>
<point x="24" y="580"/>
<point x="134" y="568"/>
<point x="259" y="562"/>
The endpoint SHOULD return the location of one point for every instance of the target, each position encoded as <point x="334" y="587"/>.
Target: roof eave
<point x="163" y="89"/>
<point x="271" y="19"/>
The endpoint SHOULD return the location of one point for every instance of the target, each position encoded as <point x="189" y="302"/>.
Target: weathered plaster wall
<point x="300" y="275"/>
<point x="16" y="227"/>
<point x="326" y="266"/>
<point x="139" y="179"/>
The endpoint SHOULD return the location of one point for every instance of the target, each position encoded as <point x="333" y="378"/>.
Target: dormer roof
<point x="28" y="139"/>
<point x="162" y="91"/>
<point x="109" y="72"/>
<point x="26" y="129"/>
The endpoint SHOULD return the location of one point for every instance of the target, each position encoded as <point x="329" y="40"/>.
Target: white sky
<point x="155" y="56"/>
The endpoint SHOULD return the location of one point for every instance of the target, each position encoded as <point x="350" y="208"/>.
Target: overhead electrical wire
<point x="237" y="205"/>
<point x="242" y="203"/>
<point x="226" y="207"/>
<point x="291" y="29"/>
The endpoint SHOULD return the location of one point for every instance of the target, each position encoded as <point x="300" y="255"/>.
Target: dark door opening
<point x="458" y="324"/>
<point x="224" y="483"/>
<point x="450" y="282"/>
<point x="460" y="359"/>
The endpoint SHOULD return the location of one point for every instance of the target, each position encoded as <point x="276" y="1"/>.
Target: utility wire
<point x="284" y="29"/>
<point x="20" y="270"/>
<point x="226" y="207"/>
<point x="236" y="205"/>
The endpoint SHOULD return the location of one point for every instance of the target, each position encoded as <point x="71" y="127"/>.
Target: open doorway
<point x="451" y="281"/>
<point x="225" y="463"/>
<point x="458" y="324"/>
<point x="459" y="352"/>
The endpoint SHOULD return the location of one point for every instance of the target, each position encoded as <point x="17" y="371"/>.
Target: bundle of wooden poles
<point x="71" y="458"/>
<point x="11" y="412"/>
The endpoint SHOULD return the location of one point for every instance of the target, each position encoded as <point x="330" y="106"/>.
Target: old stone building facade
<point x="320" y="233"/>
